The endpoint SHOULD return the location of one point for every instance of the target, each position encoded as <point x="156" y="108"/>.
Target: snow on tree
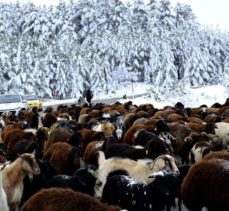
<point x="185" y="23"/>
<point x="105" y="44"/>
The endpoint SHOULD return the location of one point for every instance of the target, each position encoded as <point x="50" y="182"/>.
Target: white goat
<point x="199" y="150"/>
<point x="222" y="130"/>
<point x="139" y="170"/>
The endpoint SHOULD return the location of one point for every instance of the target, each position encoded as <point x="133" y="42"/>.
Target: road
<point x="107" y="101"/>
<point x="115" y="99"/>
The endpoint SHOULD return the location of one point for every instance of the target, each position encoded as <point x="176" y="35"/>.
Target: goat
<point x="15" y="135"/>
<point x="129" y="120"/>
<point x="38" y="182"/>
<point x="207" y="127"/>
<point x="57" y="135"/>
<point x="220" y="155"/>
<point x="206" y="185"/>
<point x="185" y="139"/>
<point x="155" y="126"/>
<point x="24" y="146"/>
<point x="89" y="136"/>
<point x="106" y="127"/>
<point x="90" y="155"/>
<point x="33" y="119"/>
<point x="222" y="129"/>
<point x="65" y="199"/>
<point x="129" y="194"/>
<point x="153" y="149"/>
<point x="64" y="157"/>
<point x="83" y="180"/>
<point x="142" y="137"/>
<point x="13" y="175"/>
<point x="3" y="198"/>
<point x="8" y="127"/>
<point x="199" y="150"/>
<point x="139" y="170"/>
<point x="48" y="119"/>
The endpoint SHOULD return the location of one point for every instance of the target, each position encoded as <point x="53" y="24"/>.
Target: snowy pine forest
<point x="106" y="44"/>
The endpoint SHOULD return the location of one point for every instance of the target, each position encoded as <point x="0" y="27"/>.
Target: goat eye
<point x="29" y="160"/>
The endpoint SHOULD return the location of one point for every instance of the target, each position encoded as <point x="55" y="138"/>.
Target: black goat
<point x="31" y="187"/>
<point x="123" y="191"/>
<point x="82" y="180"/>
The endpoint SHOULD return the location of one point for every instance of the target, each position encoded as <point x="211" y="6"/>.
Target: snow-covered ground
<point x="196" y="97"/>
<point x="205" y="95"/>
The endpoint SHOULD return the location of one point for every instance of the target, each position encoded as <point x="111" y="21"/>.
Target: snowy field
<point x="197" y="96"/>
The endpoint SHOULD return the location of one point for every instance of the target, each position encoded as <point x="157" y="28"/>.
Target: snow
<point x="197" y="96"/>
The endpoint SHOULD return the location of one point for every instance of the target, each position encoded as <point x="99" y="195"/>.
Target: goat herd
<point x="113" y="157"/>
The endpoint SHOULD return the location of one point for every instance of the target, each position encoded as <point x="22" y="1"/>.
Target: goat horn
<point x="188" y="139"/>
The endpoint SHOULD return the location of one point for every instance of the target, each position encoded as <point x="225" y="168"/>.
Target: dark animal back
<point x="144" y="137"/>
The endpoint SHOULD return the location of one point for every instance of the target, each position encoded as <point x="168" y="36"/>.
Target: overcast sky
<point x="209" y="12"/>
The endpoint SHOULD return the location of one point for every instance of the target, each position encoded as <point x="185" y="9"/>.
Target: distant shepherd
<point x="88" y="95"/>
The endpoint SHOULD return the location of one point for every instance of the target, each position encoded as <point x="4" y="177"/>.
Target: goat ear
<point x="33" y="152"/>
<point x="147" y="152"/>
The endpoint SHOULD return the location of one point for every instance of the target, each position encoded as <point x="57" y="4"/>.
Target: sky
<point x="209" y="12"/>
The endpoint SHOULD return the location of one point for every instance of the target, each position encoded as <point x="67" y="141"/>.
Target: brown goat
<point x="42" y="136"/>
<point x="65" y="200"/>
<point x="89" y="136"/>
<point x="206" y="185"/>
<point x="196" y="127"/>
<point x="156" y="126"/>
<point x="180" y="132"/>
<point x="64" y="157"/>
<point x="220" y="155"/>
<point x="146" y="107"/>
<point x="83" y="118"/>
<point x="129" y="120"/>
<point x="15" y="135"/>
<point x="8" y="128"/>
<point x="32" y="119"/>
<point x="164" y="113"/>
<point x="58" y="135"/>
<point x="140" y="121"/>
<point x="49" y="119"/>
<point x="195" y="120"/>
<point x="176" y="118"/>
<point x="132" y="131"/>
<point x="211" y="118"/>
<point x="90" y="154"/>
<point x="85" y="110"/>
